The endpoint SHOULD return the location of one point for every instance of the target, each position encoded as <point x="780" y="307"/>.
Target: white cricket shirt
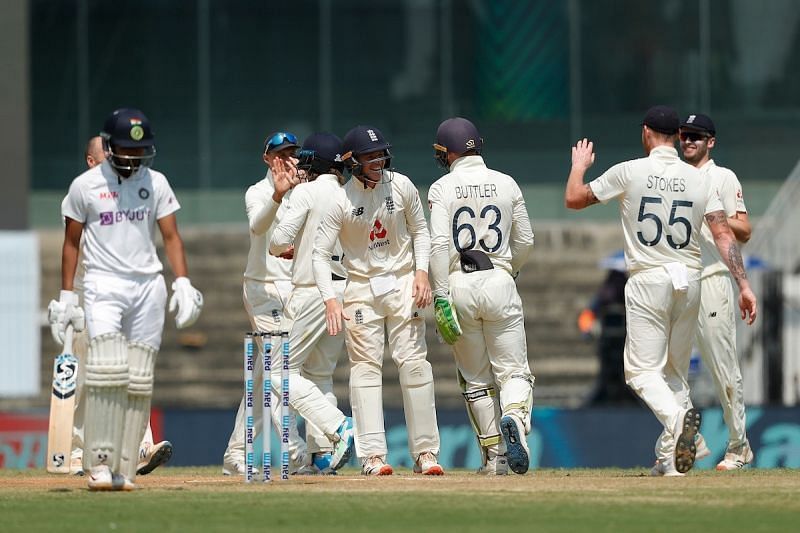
<point x="727" y="186"/>
<point x="298" y="225"/>
<point x="381" y="230"/>
<point x="263" y="215"/>
<point x="475" y="207"/>
<point x="662" y="203"/>
<point x="119" y="218"/>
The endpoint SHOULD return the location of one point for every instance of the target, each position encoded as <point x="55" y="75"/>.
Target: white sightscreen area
<point x="19" y="313"/>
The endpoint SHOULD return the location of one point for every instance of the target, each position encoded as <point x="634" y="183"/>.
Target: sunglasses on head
<point x="693" y="136"/>
<point x="280" y="138"/>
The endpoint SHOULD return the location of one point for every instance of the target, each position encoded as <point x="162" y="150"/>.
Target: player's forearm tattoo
<point x="735" y="263"/>
<point x="716" y="217"/>
<point x="591" y="199"/>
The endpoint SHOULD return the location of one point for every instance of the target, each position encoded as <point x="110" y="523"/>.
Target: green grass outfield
<point x="200" y="499"/>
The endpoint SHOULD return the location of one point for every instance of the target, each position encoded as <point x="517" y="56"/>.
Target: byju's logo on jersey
<point x="108" y="218"/>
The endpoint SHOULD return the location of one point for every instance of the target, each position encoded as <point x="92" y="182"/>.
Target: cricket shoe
<point x="427" y="465"/>
<point x="517" y="451"/>
<point x="665" y="468"/>
<point x="685" y="447"/>
<point x="703" y="450"/>
<point x="376" y="466"/>
<point x="343" y="446"/>
<point x="496" y="466"/>
<point x="101" y="479"/>
<point x="153" y="456"/>
<point x="235" y="467"/>
<point x="322" y="463"/>
<point x="736" y="458"/>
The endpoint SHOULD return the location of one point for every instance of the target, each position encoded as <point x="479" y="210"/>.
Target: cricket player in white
<point x="328" y="430"/>
<point x="480" y="238"/>
<point x="716" y="332"/>
<point x="663" y="202"/>
<point x="151" y="455"/>
<point x="378" y="219"/>
<point x="267" y="286"/>
<point x="115" y="207"/>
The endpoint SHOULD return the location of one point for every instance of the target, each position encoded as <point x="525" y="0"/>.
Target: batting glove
<point x="188" y="302"/>
<point x="63" y="312"/>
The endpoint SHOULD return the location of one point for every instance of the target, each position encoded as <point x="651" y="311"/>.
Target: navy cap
<point x="699" y="122"/>
<point x="662" y="119"/>
<point x="459" y="135"/>
<point x="365" y="139"/>
<point x="326" y="146"/>
<point x="128" y="128"/>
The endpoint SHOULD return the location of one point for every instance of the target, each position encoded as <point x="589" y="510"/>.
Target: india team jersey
<point x="381" y="231"/>
<point x="729" y="190"/>
<point x="299" y="225"/>
<point x="263" y="215"/>
<point x="476" y="208"/>
<point x="663" y="202"/>
<point x="119" y="218"/>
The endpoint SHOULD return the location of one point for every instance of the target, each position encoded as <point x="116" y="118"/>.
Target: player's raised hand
<point x="421" y="290"/>
<point x="748" y="305"/>
<point x="284" y="175"/>
<point x="583" y="154"/>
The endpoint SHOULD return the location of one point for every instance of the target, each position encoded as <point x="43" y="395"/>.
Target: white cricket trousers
<point x="492" y="348"/>
<point x="313" y="355"/>
<point x="716" y="339"/>
<point x="661" y="323"/>
<point x="373" y="319"/>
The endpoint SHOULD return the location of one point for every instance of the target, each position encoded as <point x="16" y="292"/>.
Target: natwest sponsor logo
<point x="108" y="218"/>
<point x="378" y="236"/>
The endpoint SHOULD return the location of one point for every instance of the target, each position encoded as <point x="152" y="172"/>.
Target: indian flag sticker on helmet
<point x="137" y="133"/>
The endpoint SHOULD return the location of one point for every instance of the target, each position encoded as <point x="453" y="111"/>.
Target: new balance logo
<point x="712" y="314"/>
<point x="357" y="212"/>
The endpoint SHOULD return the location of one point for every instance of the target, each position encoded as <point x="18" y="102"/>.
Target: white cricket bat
<point x="62" y="408"/>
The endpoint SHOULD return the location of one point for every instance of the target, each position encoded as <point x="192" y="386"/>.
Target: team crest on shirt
<point x="144" y="194"/>
<point x="359" y="316"/>
<point x="389" y="204"/>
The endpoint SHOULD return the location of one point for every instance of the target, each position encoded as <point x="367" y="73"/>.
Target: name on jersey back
<point x="485" y="190"/>
<point x="666" y="184"/>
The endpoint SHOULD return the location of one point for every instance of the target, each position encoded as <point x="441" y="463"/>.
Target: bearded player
<point x="115" y="206"/>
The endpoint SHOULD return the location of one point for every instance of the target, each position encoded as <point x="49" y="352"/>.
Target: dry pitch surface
<point x="200" y="499"/>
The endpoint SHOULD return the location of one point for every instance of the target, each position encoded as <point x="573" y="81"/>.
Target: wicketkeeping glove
<point x="187" y="301"/>
<point x="63" y="312"/>
<point x="446" y="320"/>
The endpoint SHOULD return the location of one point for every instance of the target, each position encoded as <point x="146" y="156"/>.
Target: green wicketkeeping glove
<point x="446" y="320"/>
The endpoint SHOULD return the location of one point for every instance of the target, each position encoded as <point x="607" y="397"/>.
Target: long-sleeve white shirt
<point x="298" y="226"/>
<point x="263" y="214"/>
<point x="475" y="207"/>
<point x="381" y="230"/>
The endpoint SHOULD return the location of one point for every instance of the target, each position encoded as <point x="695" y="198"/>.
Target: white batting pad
<point x="106" y="400"/>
